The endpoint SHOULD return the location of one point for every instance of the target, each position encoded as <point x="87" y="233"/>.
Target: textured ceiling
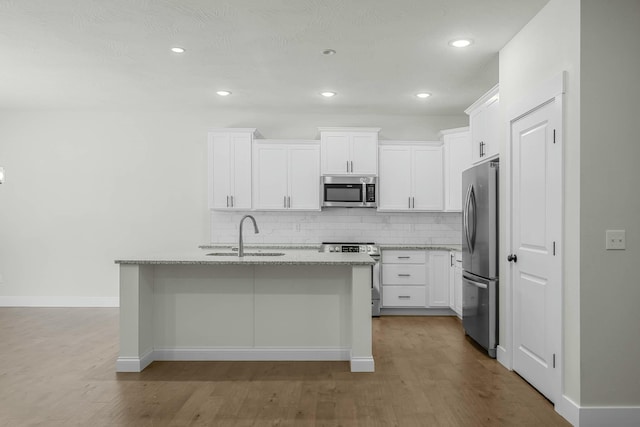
<point x="114" y="54"/>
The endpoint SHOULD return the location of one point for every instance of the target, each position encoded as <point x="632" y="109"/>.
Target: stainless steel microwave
<point x="349" y="191"/>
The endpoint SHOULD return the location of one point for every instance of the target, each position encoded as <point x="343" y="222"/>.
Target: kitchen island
<point x="300" y="305"/>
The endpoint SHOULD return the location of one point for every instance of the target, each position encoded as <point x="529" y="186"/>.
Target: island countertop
<point x="290" y="257"/>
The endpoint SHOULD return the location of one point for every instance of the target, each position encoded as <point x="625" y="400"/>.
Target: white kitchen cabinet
<point x="230" y="168"/>
<point x="286" y="175"/>
<point x="349" y="151"/>
<point x="457" y="157"/>
<point x="439" y="264"/>
<point x="455" y="282"/>
<point x="404" y="278"/>
<point x="411" y="176"/>
<point x="484" y="123"/>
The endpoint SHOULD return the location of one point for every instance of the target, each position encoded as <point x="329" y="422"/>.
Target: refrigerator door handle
<point x="476" y="284"/>
<point x="474" y="219"/>
<point x="465" y="217"/>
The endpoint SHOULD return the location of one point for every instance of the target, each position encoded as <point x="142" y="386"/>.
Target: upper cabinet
<point x="457" y="157"/>
<point x="286" y="175"/>
<point x="230" y="168"/>
<point x="411" y="176"/>
<point x="484" y="121"/>
<point x="349" y="151"/>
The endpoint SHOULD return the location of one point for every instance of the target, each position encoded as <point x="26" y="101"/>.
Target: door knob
<point x="512" y="258"/>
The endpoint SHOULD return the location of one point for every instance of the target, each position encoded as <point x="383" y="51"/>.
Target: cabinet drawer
<point x="404" y="257"/>
<point x="404" y="296"/>
<point x="404" y="274"/>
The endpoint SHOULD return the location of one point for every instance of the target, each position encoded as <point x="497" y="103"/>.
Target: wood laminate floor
<point x="57" y="368"/>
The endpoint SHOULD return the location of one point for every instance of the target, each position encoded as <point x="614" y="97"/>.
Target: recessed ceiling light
<point x="460" y="43"/>
<point x="223" y="93"/>
<point x="423" y="95"/>
<point x="177" y="49"/>
<point x="328" y="52"/>
<point x="328" y="94"/>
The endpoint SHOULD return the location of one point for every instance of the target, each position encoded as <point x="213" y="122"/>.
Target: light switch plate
<point x="616" y="240"/>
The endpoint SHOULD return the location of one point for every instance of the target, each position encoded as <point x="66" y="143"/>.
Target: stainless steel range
<point x="373" y="251"/>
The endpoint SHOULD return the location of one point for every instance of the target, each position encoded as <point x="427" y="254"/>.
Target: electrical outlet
<point x="616" y="240"/>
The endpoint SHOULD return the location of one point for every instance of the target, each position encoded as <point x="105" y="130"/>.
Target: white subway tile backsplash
<point x="341" y="225"/>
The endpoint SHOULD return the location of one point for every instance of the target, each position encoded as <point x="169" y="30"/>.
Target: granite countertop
<point x="290" y="257"/>
<point x="316" y="246"/>
<point x="410" y="246"/>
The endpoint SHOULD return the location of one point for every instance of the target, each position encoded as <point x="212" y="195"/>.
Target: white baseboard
<point x="134" y="364"/>
<point x="251" y="354"/>
<point x="28" y="301"/>
<point x="598" y="416"/>
<point x="503" y="357"/>
<point x="569" y="410"/>
<point x="362" y="364"/>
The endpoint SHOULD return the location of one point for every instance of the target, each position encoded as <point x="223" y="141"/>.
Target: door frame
<point x="550" y="91"/>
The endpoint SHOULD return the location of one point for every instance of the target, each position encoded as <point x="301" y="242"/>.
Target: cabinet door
<point x="364" y="153"/>
<point x="304" y="177"/>
<point x="457" y="283"/>
<point x="477" y="125"/>
<point x="335" y="153"/>
<point x="457" y="158"/>
<point x="220" y="167"/>
<point x="491" y="128"/>
<point x="270" y="178"/>
<point x="394" y="183"/>
<point x="240" y="145"/>
<point x="427" y="178"/>
<point x="439" y="263"/>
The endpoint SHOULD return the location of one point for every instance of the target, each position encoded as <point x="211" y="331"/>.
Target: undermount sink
<point x="246" y="254"/>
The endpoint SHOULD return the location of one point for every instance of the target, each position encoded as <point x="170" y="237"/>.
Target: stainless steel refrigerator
<point x="480" y="254"/>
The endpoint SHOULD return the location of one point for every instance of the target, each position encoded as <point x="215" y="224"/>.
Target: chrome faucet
<point x="240" y="243"/>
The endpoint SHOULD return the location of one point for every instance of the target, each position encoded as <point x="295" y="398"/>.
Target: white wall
<point x="610" y="152"/>
<point x="546" y="46"/>
<point x="85" y="188"/>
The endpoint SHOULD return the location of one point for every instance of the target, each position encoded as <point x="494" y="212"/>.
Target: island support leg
<point x="361" y="334"/>
<point x="136" y="316"/>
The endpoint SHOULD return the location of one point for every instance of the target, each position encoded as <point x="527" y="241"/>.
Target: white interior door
<point x="536" y="208"/>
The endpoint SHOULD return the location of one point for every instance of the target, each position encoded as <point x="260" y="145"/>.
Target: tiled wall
<point x="340" y="224"/>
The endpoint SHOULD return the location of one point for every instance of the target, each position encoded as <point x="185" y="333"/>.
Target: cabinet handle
<point x="404" y="257"/>
<point x="409" y="202"/>
<point x="347" y="166"/>
<point x="403" y="275"/>
<point x="413" y="202"/>
<point x="227" y="201"/>
<point x="451" y="260"/>
<point x="232" y="202"/>
<point x="351" y="166"/>
<point x="404" y="296"/>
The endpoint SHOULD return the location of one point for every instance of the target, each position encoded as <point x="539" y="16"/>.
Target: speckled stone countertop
<point x="422" y="247"/>
<point x="314" y="246"/>
<point x="388" y="246"/>
<point x="290" y="257"/>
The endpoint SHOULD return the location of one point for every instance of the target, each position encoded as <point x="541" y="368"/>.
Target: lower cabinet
<point x="415" y="278"/>
<point x="404" y="278"/>
<point x="439" y="278"/>
<point x="455" y="282"/>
